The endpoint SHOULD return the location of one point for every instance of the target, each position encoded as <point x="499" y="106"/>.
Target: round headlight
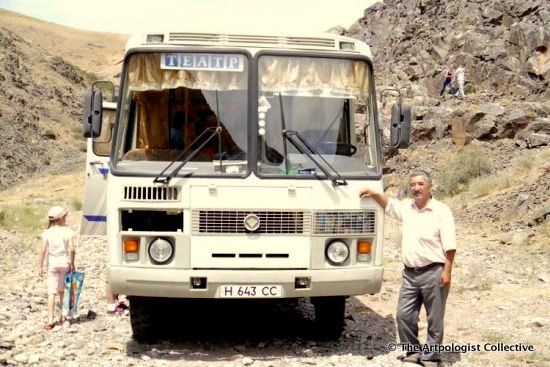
<point x="337" y="252"/>
<point x="161" y="250"/>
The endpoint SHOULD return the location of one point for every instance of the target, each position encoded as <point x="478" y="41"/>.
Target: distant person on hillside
<point x="448" y="78"/>
<point x="459" y="75"/>
<point x="428" y="247"/>
<point x="56" y="258"/>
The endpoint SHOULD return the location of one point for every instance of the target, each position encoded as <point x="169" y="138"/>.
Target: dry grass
<point x="526" y="167"/>
<point x="462" y="167"/>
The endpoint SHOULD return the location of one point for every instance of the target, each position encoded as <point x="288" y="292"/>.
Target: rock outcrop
<point x="504" y="45"/>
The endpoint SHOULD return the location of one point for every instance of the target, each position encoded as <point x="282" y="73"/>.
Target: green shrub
<point x="461" y="168"/>
<point x="76" y="204"/>
<point x="469" y="88"/>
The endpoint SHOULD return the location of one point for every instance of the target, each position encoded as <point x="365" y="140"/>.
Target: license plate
<point x="249" y="291"/>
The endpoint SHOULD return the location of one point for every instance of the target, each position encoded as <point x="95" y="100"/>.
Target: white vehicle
<point x="234" y="171"/>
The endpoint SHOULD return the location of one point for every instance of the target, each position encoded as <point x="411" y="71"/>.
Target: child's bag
<point x="73" y="287"/>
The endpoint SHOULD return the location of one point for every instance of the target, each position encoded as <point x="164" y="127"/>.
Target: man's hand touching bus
<point x="380" y="198"/>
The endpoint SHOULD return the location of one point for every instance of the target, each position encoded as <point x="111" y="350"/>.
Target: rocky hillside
<point x="504" y="119"/>
<point x="40" y="96"/>
<point x="96" y="53"/>
<point x="504" y="45"/>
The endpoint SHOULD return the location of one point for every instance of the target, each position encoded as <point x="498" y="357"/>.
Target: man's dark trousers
<point x="422" y="288"/>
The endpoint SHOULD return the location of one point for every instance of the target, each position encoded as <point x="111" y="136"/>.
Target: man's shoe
<point x="411" y="358"/>
<point x="430" y="363"/>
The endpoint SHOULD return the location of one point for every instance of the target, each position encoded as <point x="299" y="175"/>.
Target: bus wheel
<point x="329" y="316"/>
<point x="143" y="318"/>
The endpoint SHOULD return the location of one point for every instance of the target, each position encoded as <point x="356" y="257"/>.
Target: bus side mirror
<point x="92" y="113"/>
<point x="400" y="136"/>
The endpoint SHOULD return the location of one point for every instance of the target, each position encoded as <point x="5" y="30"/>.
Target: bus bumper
<point x="176" y="283"/>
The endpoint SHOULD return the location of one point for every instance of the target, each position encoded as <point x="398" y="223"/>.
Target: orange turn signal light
<point x="364" y="247"/>
<point x="131" y="245"/>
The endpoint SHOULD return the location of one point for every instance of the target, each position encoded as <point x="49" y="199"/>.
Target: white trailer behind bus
<point x="230" y="167"/>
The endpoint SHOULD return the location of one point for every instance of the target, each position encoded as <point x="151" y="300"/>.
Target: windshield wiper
<point x="165" y="180"/>
<point x="304" y="147"/>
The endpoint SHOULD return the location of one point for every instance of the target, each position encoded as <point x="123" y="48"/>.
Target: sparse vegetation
<point x="512" y="176"/>
<point x="485" y="185"/>
<point x="461" y="168"/>
<point x="534" y="359"/>
<point x="89" y="77"/>
<point x="495" y="337"/>
<point x="26" y="219"/>
<point x="469" y="88"/>
<point x="76" y="204"/>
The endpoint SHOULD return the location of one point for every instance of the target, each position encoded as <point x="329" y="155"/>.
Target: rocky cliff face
<point x="504" y="45"/>
<point x="40" y="99"/>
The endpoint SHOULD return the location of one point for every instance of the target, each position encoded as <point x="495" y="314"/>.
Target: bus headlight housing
<point x="161" y="250"/>
<point x="337" y="252"/>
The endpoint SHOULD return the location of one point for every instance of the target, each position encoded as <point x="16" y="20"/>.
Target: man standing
<point x="459" y="73"/>
<point x="428" y="250"/>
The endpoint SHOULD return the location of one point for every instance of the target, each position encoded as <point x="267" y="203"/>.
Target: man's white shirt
<point x="426" y="234"/>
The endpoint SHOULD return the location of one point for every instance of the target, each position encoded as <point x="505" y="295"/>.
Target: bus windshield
<point x="328" y="103"/>
<point x="170" y="99"/>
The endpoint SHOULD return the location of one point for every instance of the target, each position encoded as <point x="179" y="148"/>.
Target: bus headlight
<point x="161" y="250"/>
<point x="337" y="252"/>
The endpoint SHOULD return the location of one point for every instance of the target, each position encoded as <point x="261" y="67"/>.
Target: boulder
<point x="423" y="130"/>
<point x="536" y="140"/>
<point x="520" y="206"/>
<point x="510" y="63"/>
<point x="492" y="16"/>
<point x="492" y="109"/>
<point x="430" y="123"/>
<point x="524" y="8"/>
<point x="439" y="54"/>
<point x="513" y="122"/>
<point x="539" y="125"/>
<point x="539" y="64"/>
<point x="533" y="35"/>
<point x="483" y="128"/>
<point x="476" y="43"/>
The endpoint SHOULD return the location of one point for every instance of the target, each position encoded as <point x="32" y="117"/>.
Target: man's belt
<point x="423" y="268"/>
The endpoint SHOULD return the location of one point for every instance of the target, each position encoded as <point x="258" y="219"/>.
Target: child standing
<point x="56" y="258"/>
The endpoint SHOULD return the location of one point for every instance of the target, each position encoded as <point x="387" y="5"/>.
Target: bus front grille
<point x="343" y="223"/>
<point x="151" y="193"/>
<point x="277" y="222"/>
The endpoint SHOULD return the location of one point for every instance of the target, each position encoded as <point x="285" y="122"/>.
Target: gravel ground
<point x="491" y="301"/>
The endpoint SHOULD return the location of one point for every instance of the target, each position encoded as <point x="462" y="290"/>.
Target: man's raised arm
<point x="381" y="198"/>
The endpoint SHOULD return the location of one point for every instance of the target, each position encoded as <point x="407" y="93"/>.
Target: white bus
<point x="230" y="167"/>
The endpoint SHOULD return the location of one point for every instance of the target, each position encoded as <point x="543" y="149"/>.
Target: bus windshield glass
<point x="170" y="99"/>
<point x="327" y="102"/>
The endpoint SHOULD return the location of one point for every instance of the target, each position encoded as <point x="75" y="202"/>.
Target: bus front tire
<point x="142" y="318"/>
<point x="329" y="316"/>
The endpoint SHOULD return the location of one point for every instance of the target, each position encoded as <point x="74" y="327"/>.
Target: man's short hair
<point x="421" y="172"/>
